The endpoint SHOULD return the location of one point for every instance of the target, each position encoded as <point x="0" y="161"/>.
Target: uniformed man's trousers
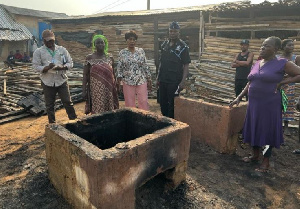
<point x="166" y="98"/>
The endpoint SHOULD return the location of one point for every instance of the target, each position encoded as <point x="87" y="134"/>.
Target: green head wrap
<point x="95" y="37"/>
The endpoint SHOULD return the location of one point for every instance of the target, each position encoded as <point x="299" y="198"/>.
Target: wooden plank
<point x="14" y="118"/>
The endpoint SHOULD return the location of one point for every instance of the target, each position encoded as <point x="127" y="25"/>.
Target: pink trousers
<point x="130" y="92"/>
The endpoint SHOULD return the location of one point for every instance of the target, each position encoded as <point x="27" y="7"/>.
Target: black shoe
<point x="296" y="151"/>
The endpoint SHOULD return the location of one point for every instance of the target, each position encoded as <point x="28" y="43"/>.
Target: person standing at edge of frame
<point x="287" y="47"/>
<point x="173" y="69"/>
<point x="242" y="63"/>
<point x="52" y="61"/>
<point x="263" y="122"/>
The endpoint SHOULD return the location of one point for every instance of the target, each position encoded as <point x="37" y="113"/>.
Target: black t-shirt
<point x="242" y="72"/>
<point x="10" y="58"/>
<point x="172" y="60"/>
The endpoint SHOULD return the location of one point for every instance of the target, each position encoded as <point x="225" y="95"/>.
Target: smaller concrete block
<point x="212" y="124"/>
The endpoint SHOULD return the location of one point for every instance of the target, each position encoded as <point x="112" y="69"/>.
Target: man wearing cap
<point x="52" y="62"/>
<point x="242" y="63"/>
<point x="173" y="69"/>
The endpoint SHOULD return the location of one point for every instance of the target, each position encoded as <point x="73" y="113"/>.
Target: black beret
<point x="174" y="25"/>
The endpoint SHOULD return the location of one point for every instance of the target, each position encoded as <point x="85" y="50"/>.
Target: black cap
<point x="174" y="25"/>
<point x="245" y="41"/>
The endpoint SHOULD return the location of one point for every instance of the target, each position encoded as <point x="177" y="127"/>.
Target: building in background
<point x="18" y="25"/>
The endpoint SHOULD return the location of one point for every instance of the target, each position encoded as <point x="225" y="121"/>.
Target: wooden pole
<point x="217" y="32"/>
<point x="209" y="21"/>
<point x="252" y="35"/>
<point x="4" y="84"/>
<point x="200" y="34"/>
<point x="148" y="4"/>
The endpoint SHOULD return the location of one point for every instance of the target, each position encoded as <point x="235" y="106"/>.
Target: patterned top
<point x="289" y="90"/>
<point x="106" y="59"/>
<point x="132" y="67"/>
<point x="102" y="86"/>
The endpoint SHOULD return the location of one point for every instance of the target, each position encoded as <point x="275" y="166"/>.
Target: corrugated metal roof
<point x="210" y="7"/>
<point x="33" y="13"/>
<point x="11" y="30"/>
<point x="226" y="6"/>
<point x="145" y="12"/>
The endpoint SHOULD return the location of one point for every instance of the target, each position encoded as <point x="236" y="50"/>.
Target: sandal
<point x="250" y="159"/>
<point x="262" y="170"/>
<point x="296" y="151"/>
<point x="287" y="132"/>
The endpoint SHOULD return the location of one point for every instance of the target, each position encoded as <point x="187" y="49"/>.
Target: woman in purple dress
<point x="263" y="123"/>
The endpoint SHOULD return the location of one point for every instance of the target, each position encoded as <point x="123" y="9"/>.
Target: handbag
<point x="284" y="100"/>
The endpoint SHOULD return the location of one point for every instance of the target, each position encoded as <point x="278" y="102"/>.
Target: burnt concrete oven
<point x="101" y="160"/>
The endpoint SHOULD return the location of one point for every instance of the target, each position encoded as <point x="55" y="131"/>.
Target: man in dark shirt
<point x="173" y="69"/>
<point x="243" y="63"/>
<point x="10" y="60"/>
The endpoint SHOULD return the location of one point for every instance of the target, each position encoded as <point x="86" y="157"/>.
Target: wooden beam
<point x="242" y="26"/>
<point x="156" y="44"/>
<point x="4" y="85"/>
<point x="201" y="32"/>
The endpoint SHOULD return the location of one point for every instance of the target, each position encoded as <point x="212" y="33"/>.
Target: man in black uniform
<point x="173" y="70"/>
<point x="243" y="63"/>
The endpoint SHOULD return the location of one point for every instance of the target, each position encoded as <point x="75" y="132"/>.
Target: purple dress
<point x="263" y="123"/>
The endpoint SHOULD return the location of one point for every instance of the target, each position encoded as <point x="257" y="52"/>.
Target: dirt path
<point x="213" y="181"/>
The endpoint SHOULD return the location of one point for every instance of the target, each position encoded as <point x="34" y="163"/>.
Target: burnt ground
<point x="214" y="180"/>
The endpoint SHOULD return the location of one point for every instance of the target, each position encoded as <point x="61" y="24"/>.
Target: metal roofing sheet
<point x="11" y="30"/>
<point x="212" y="7"/>
<point x="32" y="12"/>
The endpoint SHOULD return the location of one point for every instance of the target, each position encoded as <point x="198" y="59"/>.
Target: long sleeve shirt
<point x="43" y="56"/>
<point x="132" y="67"/>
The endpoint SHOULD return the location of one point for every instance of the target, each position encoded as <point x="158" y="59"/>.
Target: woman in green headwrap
<point x="99" y="85"/>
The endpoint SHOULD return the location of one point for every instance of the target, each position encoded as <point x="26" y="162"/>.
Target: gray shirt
<point x="42" y="57"/>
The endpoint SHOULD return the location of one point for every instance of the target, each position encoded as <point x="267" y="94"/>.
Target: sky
<point x="89" y="7"/>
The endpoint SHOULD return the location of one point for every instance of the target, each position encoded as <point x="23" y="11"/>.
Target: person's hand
<point x="50" y="66"/>
<point x="119" y="80"/>
<point x="149" y="85"/>
<point x="236" y="102"/>
<point x="118" y="88"/>
<point x="181" y="86"/>
<point x="60" y="67"/>
<point x="118" y="84"/>
<point x="278" y="87"/>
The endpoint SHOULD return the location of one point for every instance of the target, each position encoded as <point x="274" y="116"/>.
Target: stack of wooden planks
<point x="23" y="81"/>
